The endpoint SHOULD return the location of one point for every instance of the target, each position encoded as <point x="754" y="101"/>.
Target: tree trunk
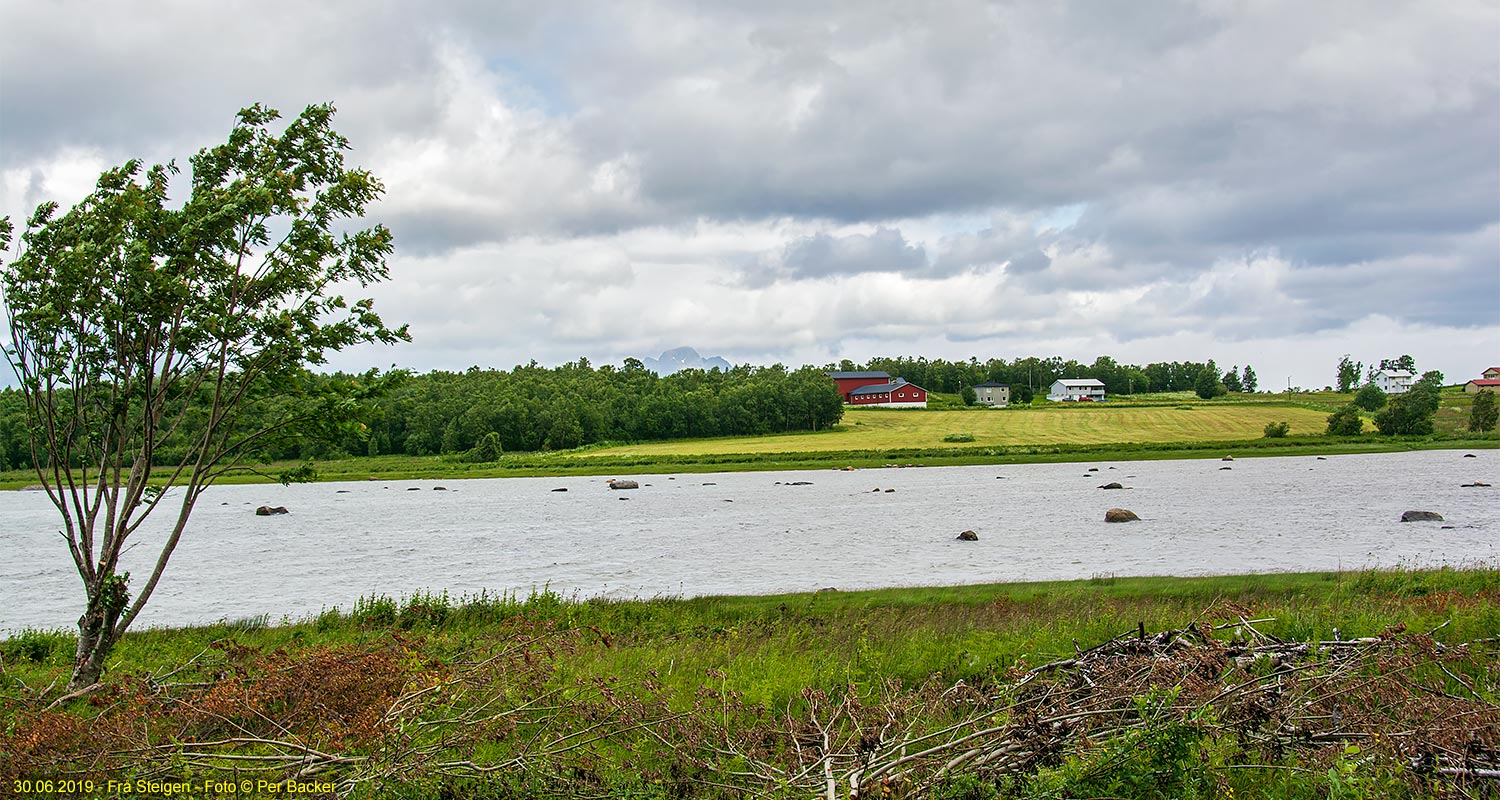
<point x="96" y="638"/>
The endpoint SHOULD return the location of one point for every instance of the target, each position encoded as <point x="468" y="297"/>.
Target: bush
<point x="1408" y="414"/>
<point x="1208" y="386"/>
<point x="1345" y="422"/>
<point x="1276" y="430"/>
<point x="1370" y="397"/>
<point x="1484" y="414"/>
<point x="487" y="450"/>
<point x="959" y="437"/>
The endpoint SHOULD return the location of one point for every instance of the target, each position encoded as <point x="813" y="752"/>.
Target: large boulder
<point x="623" y="484"/>
<point x="267" y="511"/>
<point x="1120" y="515"/>
<point x="968" y="536"/>
<point x="1421" y="516"/>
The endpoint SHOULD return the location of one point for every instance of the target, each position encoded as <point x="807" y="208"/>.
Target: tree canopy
<point x="145" y="333"/>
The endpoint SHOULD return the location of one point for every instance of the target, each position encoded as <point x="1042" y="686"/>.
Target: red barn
<point x="878" y="389"/>
<point x="849" y="381"/>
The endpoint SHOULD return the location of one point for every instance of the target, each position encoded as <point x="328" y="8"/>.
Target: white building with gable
<point x="1076" y="389"/>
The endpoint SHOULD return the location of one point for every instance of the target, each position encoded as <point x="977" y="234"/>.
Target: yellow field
<point x="865" y="429"/>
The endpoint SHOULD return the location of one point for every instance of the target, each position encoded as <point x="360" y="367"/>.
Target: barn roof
<point x="882" y="388"/>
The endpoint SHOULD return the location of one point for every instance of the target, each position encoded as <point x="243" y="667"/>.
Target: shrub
<point x="1370" y="397"/>
<point x="959" y="437"/>
<point x="1346" y="422"/>
<point x="1208" y="386"/>
<point x="1484" y="414"/>
<point x="1408" y="414"/>
<point x="1276" y="430"/>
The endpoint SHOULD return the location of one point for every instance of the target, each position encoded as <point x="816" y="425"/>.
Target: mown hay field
<point x="886" y="429"/>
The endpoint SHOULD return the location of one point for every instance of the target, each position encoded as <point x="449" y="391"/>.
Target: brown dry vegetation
<point x="976" y="692"/>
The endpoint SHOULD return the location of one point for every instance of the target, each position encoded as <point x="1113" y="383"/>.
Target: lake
<point x="753" y="533"/>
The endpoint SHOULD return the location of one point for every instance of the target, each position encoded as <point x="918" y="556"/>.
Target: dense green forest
<point x="1034" y="375"/>
<point x="479" y="413"/>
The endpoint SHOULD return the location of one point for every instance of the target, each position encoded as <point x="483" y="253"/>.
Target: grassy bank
<point x="731" y="696"/>
<point x="602" y="462"/>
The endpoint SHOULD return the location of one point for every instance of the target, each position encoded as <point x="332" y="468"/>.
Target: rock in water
<point x="623" y="484"/>
<point x="1227" y="458"/>
<point x="968" y="536"/>
<point x="1421" y="516"/>
<point x="1112" y="486"/>
<point x="1120" y="515"/>
<point x="266" y="511"/>
<point x="561" y="489"/>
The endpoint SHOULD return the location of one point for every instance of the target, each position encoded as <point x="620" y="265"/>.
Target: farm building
<point x="878" y="389"/>
<point x="1482" y="385"/>
<point x="896" y="394"/>
<point x="992" y="394"/>
<point x="1394" y="381"/>
<point x="849" y="381"/>
<point x="1075" y="389"/>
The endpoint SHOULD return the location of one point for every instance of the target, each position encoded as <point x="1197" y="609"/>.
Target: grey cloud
<point x="885" y="250"/>
<point x="1358" y="145"/>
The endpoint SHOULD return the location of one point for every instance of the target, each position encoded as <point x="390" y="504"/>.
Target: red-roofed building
<point x="878" y="389"/>
<point x="1491" y="374"/>
<point x="1477" y="386"/>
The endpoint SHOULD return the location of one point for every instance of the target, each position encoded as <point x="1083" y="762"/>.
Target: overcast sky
<point x="1275" y="183"/>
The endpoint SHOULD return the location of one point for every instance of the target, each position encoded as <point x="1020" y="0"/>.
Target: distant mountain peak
<point x="679" y="358"/>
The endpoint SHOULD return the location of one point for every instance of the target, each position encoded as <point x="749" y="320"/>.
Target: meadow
<point x="1052" y="424"/>
<point x="1290" y="685"/>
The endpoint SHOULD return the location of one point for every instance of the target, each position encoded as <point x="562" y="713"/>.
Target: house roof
<point x="1484" y="382"/>
<point x="883" y="388"/>
<point x="992" y="385"/>
<point x="1089" y="382"/>
<point x="1489" y="369"/>
<point x="838" y="375"/>
<point x="1395" y="373"/>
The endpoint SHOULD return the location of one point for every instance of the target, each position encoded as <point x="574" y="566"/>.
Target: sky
<point x="1262" y="182"/>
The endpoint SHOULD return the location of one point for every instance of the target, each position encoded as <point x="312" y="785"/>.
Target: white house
<point x="1076" y="389"/>
<point x="1393" y="381"/>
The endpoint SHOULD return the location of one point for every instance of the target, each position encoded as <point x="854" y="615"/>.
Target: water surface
<point x="751" y="533"/>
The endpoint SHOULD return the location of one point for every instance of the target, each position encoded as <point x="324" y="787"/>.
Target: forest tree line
<point x="480" y="413"/>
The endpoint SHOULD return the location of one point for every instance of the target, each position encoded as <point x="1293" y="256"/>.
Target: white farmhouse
<point x="1076" y="389"/>
<point x="1393" y="381"/>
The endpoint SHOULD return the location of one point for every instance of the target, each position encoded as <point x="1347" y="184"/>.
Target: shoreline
<point x="581" y="463"/>
<point x="1145" y="587"/>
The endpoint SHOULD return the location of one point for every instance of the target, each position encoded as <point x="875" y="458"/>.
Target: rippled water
<point x="749" y="533"/>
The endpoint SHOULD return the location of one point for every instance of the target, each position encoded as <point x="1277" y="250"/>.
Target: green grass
<point x="775" y="642"/>
<point x="1057" y="424"/>
<point x="774" y="655"/>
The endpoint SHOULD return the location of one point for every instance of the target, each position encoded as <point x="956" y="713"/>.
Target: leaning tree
<point x="147" y="334"/>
